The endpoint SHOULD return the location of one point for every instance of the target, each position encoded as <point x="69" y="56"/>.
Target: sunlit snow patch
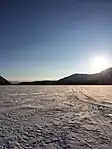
<point x="110" y="114"/>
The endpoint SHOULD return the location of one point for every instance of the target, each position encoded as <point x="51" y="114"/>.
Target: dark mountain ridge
<point x="3" y="81"/>
<point x="102" y="78"/>
<point x="44" y="82"/>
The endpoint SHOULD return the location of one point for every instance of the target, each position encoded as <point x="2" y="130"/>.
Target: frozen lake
<point x="55" y="117"/>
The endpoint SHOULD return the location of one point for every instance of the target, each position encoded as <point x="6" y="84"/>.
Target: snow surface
<point x="55" y="117"/>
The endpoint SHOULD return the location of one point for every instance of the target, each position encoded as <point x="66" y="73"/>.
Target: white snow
<point x="55" y="117"/>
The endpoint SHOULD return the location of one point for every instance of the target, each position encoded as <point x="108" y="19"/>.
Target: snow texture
<point x="55" y="117"/>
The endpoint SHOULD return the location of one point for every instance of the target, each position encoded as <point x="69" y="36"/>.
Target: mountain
<point x="104" y="77"/>
<point x="14" y="82"/>
<point x="44" y="82"/>
<point x="3" y="81"/>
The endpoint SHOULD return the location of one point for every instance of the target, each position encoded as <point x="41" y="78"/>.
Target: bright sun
<point x="98" y="64"/>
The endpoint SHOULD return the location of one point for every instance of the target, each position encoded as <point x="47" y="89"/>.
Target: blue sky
<point x="49" y="39"/>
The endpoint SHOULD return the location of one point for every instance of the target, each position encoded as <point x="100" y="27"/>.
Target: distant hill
<point x="44" y="82"/>
<point x="104" y="77"/>
<point x="14" y="82"/>
<point x="3" y="81"/>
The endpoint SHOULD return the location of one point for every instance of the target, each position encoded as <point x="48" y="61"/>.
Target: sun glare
<point x="98" y="64"/>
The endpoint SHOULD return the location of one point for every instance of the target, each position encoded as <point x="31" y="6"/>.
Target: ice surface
<point x="55" y="117"/>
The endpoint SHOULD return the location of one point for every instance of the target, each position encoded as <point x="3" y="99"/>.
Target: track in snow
<point x="55" y="117"/>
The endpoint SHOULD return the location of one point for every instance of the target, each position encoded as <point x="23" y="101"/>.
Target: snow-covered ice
<point x="55" y="117"/>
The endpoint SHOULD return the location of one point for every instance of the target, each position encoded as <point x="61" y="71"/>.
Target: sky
<point x="50" y="39"/>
